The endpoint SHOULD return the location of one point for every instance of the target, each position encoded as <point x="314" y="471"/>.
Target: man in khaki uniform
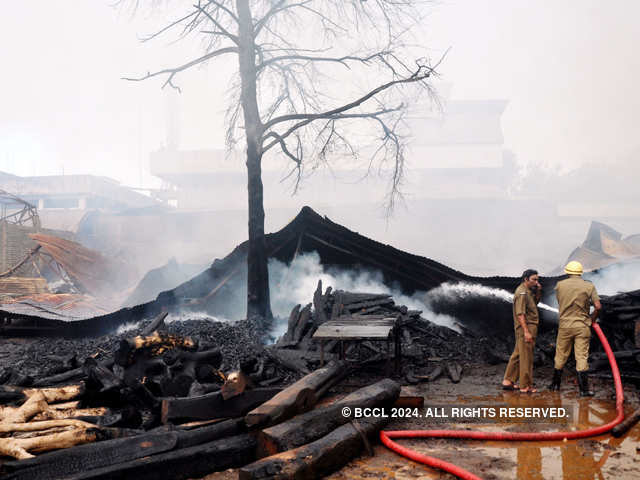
<point x="575" y="297"/>
<point x="525" y="324"/>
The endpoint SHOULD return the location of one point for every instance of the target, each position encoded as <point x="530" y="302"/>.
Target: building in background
<point x="63" y="200"/>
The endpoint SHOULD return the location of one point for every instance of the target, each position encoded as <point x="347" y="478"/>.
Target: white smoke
<point x="126" y="327"/>
<point x="459" y="291"/>
<point x="180" y="316"/>
<point x="295" y="283"/>
<point x="621" y="277"/>
<point x="183" y="315"/>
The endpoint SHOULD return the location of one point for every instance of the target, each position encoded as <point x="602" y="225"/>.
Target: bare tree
<point x="293" y="58"/>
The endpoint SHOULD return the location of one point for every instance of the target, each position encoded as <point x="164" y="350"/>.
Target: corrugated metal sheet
<point x="64" y="306"/>
<point x="89" y="270"/>
<point x="22" y="286"/>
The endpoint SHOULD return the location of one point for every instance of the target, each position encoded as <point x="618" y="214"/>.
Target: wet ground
<point x="603" y="457"/>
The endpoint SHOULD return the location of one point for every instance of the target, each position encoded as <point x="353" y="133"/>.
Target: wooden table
<point x="359" y="328"/>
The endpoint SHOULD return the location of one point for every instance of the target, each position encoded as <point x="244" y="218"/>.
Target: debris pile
<point x="335" y="245"/>
<point x="431" y="349"/>
<point x="155" y="404"/>
<point x="186" y="398"/>
<point x="620" y="322"/>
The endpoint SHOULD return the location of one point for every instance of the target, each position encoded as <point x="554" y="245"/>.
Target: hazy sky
<point x="569" y="69"/>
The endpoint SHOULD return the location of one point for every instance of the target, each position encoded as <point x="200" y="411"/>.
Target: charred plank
<point x="297" y="398"/>
<point x="213" y="405"/>
<point x="191" y="462"/>
<point x="318" y="458"/>
<point x="319" y="422"/>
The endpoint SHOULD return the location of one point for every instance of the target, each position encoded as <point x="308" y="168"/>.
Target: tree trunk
<point x="258" y="302"/>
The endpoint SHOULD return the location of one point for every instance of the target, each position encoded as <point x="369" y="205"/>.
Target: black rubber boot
<point x="583" y="382"/>
<point x="557" y="378"/>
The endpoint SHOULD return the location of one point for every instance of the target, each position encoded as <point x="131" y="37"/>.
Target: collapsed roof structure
<point x="605" y="246"/>
<point x="308" y="231"/>
<point x="44" y="272"/>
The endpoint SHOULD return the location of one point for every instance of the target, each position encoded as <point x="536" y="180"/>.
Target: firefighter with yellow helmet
<point x="575" y="298"/>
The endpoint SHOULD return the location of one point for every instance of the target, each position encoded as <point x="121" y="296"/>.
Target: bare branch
<point x="223" y="31"/>
<point x="223" y="7"/>
<point x="422" y="73"/>
<point x="333" y="116"/>
<point x="172" y="72"/>
<point x="342" y="60"/>
<point x="168" y="27"/>
<point x="274" y="10"/>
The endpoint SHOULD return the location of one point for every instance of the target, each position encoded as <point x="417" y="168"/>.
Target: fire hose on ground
<point x="387" y="436"/>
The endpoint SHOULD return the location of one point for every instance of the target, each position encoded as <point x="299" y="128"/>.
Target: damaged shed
<point x="308" y="231"/>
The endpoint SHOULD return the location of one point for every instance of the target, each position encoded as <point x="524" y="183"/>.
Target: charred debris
<point x="209" y="291"/>
<point x="182" y="399"/>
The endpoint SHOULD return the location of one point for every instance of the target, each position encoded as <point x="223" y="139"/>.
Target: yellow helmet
<point x="573" y="268"/>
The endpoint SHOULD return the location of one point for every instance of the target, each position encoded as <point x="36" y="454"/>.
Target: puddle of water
<point x="592" y="458"/>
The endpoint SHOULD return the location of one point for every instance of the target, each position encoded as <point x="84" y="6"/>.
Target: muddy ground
<point x="602" y="457"/>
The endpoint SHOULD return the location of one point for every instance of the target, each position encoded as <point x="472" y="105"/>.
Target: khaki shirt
<point x="524" y="303"/>
<point x="575" y="297"/>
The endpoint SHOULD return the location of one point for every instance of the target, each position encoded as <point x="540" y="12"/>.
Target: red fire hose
<point x="386" y="436"/>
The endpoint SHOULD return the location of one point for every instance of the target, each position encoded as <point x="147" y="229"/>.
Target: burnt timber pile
<point x="421" y="342"/>
<point x="160" y="406"/>
<point x="144" y="405"/>
<point x="621" y="325"/>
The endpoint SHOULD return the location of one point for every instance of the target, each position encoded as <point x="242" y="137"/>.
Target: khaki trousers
<point x="578" y="338"/>
<point x="520" y="364"/>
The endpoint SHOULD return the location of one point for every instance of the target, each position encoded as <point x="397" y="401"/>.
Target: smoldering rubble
<point x="164" y="390"/>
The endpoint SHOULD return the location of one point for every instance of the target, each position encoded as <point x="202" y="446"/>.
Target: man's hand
<point x="537" y="292"/>
<point x="527" y="336"/>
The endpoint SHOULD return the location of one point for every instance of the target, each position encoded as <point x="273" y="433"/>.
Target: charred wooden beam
<point x="620" y="355"/>
<point x="100" y="377"/>
<point x="213" y="405"/>
<point x="293" y="321"/>
<point x="320" y="305"/>
<point x="62" y="463"/>
<point x="304" y="322"/>
<point x="318" y="458"/>
<point x="156" y="324"/>
<point x="191" y="462"/>
<point x="352" y="307"/>
<point x="10" y="394"/>
<point x="69" y="375"/>
<point x="318" y="422"/>
<point x="626" y="424"/>
<point x="297" y="398"/>
<point x="209" y="433"/>
<point x="291" y="359"/>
